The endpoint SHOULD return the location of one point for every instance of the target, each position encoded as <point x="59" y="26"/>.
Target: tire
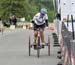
<point x="38" y="53"/>
<point x="2" y="31"/>
<point x="48" y="46"/>
<point x="29" y="47"/>
<point x="38" y="47"/>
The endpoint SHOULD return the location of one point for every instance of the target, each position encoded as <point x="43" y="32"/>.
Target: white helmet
<point x="43" y="11"/>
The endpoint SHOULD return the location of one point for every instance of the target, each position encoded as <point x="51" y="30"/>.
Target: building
<point x="65" y="7"/>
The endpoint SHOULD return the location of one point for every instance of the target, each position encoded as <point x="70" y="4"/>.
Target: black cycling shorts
<point x="39" y="26"/>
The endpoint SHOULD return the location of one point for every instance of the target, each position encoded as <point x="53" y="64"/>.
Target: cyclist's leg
<point x="35" y="33"/>
<point x="35" y="36"/>
<point x="2" y="28"/>
<point x="42" y="34"/>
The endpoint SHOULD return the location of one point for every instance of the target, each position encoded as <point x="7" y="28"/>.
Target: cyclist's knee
<point x="41" y="31"/>
<point x="35" y="33"/>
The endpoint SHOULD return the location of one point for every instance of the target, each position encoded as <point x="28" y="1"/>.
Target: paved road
<point x="14" y="49"/>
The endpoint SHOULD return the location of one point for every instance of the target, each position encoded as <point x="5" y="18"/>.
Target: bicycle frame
<point x="38" y="44"/>
<point x="38" y="37"/>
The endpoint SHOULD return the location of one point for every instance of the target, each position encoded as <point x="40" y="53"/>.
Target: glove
<point x="46" y="23"/>
<point x="46" y="28"/>
<point x="32" y="21"/>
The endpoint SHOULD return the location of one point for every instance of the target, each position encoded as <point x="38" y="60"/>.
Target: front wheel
<point x="38" y="53"/>
<point x="38" y="47"/>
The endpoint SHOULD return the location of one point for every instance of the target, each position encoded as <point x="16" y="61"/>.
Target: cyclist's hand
<point x="46" y="28"/>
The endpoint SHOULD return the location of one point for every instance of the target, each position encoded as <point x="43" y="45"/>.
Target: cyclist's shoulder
<point x="37" y="14"/>
<point x="46" y="16"/>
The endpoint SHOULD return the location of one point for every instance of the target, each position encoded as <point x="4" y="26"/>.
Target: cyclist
<point x="40" y="20"/>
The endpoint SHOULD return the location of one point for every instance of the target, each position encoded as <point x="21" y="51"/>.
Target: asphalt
<point x="14" y="49"/>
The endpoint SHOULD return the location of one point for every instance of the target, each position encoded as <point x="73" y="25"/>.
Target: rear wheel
<point x="2" y="31"/>
<point x="48" y="45"/>
<point x="29" y="47"/>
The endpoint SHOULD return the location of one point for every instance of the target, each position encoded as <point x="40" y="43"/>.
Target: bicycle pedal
<point x="43" y="46"/>
<point x="39" y="47"/>
<point x="35" y="47"/>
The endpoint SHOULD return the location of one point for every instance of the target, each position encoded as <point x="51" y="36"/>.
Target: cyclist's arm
<point x="46" y="22"/>
<point x="32" y="21"/>
<point x="35" y="17"/>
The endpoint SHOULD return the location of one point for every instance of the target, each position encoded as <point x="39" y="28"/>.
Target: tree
<point x="10" y="7"/>
<point x="25" y="8"/>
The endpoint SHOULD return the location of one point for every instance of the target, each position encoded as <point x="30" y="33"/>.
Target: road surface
<point x="14" y="49"/>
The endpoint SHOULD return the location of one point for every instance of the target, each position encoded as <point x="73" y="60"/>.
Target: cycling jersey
<point x="40" y="20"/>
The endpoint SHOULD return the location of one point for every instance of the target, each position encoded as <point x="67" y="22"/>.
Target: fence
<point x="67" y="46"/>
